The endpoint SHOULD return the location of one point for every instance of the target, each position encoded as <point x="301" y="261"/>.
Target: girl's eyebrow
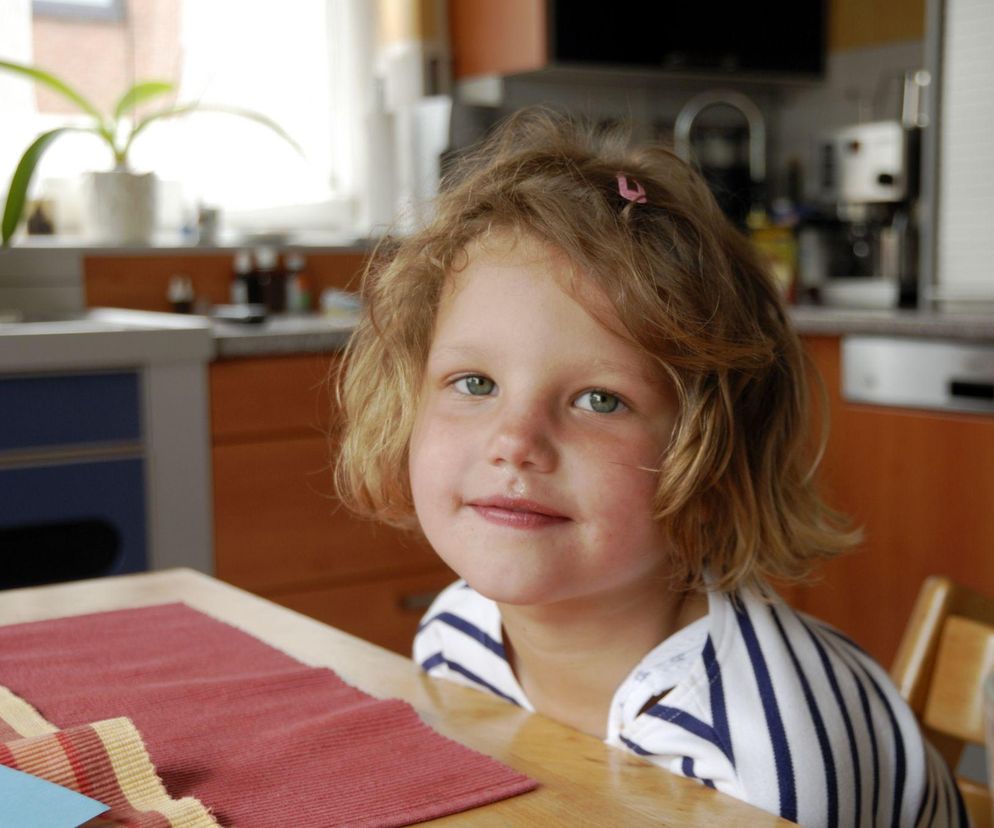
<point x="613" y="367"/>
<point x="456" y="350"/>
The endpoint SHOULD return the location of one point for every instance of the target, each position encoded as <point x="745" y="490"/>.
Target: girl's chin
<point x="511" y="592"/>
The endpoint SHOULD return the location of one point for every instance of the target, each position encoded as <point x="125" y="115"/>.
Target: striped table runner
<point x="259" y="738"/>
<point x="105" y="761"/>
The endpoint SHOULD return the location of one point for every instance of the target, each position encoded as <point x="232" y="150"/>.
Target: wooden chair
<point x="945" y="653"/>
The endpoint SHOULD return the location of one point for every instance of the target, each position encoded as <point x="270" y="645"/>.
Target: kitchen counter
<point x="282" y="335"/>
<point x="318" y="334"/>
<point x="102" y="337"/>
<point x="834" y="321"/>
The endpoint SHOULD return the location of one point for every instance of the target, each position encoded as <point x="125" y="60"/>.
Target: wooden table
<point x="582" y="780"/>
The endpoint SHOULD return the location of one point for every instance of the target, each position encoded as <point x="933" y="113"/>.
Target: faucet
<point x="754" y="118"/>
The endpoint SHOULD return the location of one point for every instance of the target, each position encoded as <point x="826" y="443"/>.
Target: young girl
<point x="581" y="385"/>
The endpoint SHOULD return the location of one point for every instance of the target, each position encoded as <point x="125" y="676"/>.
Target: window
<point x="80" y="9"/>
<point x="304" y="64"/>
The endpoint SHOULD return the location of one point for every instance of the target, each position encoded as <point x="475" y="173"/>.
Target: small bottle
<point x="245" y="285"/>
<point x="298" y="295"/>
<point x="180" y="294"/>
<point x="272" y="282"/>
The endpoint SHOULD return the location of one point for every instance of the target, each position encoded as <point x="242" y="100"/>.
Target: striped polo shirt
<point x="761" y="702"/>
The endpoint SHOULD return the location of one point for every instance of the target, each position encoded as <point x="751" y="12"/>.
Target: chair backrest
<point x="945" y="653"/>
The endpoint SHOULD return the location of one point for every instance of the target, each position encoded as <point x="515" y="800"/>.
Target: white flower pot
<point x="120" y="207"/>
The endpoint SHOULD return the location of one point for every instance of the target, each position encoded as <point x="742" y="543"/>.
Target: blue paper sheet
<point x="30" y="802"/>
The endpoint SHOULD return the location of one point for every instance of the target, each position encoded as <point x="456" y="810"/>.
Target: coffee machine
<point x="866" y="229"/>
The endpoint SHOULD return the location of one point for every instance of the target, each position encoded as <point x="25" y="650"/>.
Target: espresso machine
<point x="867" y="224"/>
<point x="863" y="239"/>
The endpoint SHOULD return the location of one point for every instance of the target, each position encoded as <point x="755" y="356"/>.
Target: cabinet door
<point x="48" y="410"/>
<point x="263" y="398"/>
<point x="385" y="611"/>
<point x="71" y="520"/>
<point x="278" y="524"/>
<point x="921" y="485"/>
<point x="497" y="38"/>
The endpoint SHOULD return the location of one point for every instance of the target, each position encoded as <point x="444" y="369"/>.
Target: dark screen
<point x="781" y="36"/>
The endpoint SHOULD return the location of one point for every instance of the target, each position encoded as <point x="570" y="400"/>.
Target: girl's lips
<point x="517" y="514"/>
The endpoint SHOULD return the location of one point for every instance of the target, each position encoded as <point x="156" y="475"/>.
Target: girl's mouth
<point x="517" y="513"/>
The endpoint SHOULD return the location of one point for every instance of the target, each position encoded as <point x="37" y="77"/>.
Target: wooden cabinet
<point x="921" y="485"/>
<point x="140" y="280"/>
<point x="861" y="23"/>
<point x="280" y="532"/>
<point x="73" y="476"/>
<point x="497" y="38"/>
<point x="505" y="37"/>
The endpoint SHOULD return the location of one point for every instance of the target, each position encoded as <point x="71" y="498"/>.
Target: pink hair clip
<point x="630" y="189"/>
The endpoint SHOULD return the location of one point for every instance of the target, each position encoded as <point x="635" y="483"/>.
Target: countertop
<point x="581" y="779"/>
<point x="103" y="338"/>
<point x="324" y="333"/>
<point x="316" y="333"/>
<point x="832" y="321"/>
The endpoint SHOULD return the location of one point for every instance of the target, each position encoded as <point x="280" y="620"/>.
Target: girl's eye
<point x="475" y="385"/>
<point x="601" y="402"/>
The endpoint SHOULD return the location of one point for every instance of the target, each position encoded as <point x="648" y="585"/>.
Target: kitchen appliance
<point x="732" y="40"/>
<point x="864" y="236"/>
<point x="869" y="185"/>
<point x="737" y="183"/>
<point x="909" y="372"/>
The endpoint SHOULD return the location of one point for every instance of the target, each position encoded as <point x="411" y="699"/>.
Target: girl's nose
<point x="522" y="439"/>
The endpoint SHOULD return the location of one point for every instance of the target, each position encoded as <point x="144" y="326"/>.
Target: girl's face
<point x="536" y="437"/>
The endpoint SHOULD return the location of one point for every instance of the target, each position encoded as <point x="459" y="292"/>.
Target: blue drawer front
<point x="111" y="492"/>
<point x="69" y="408"/>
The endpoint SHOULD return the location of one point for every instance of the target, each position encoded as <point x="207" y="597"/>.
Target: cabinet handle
<point x="417" y="600"/>
<point x="971" y="389"/>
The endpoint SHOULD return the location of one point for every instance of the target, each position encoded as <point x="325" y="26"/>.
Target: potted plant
<point x="121" y="203"/>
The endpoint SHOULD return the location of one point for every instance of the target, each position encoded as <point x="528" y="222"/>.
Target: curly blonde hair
<point x="735" y="489"/>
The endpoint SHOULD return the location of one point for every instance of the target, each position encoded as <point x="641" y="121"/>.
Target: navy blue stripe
<point x="900" y="753"/>
<point x="935" y="788"/>
<point x="874" y="753"/>
<point x="439" y="658"/>
<point x="871" y="731"/>
<point x="635" y="747"/>
<point x="458" y="668"/>
<point x="935" y="807"/>
<point x="928" y="794"/>
<point x="949" y="809"/>
<point x="846" y="720"/>
<point x="828" y="760"/>
<point x="432" y="661"/>
<point x="774" y="723"/>
<point x="687" y="767"/>
<point x="719" y="712"/>
<point x="471" y="630"/>
<point x="964" y="820"/>
<point x="691" y="724"/>
<point x="845" y="639"/>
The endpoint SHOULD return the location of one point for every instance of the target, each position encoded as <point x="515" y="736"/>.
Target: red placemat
<point x="258" y="737"/>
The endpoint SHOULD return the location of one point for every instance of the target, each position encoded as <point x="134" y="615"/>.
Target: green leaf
<point x="53" y="83"/>
<point x="139" y="94"/>
<point x="17" y="194"/>
<point x="186" y="109"/>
